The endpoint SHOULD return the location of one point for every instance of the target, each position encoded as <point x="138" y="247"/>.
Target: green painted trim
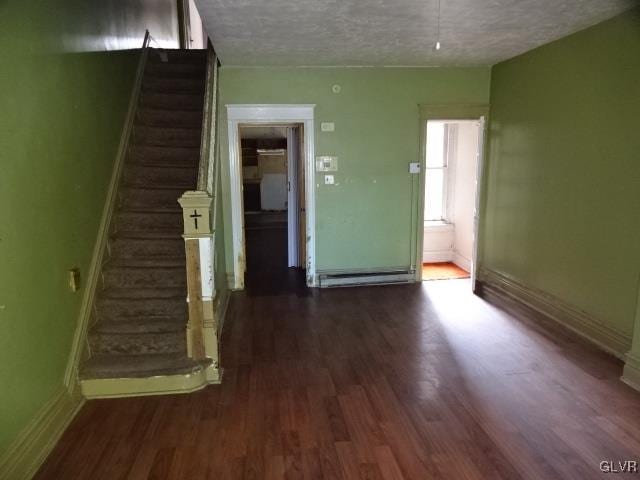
<point x="160" y="385"/>
<point x="30" y="449"/>
<point x="569" y="316"/>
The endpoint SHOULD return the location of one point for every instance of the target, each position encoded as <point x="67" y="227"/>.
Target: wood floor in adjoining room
<point x="422" y="381"/>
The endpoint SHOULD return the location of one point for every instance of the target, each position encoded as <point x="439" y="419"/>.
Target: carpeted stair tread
<point x="145" y="262"/>
<point x="172" y="101"/>
<point x="161" y="118"/>
<point x="143" y="277"/>
<point x="174" y="70"/>
<point x="143" y="175"/>
<point x="135" y="197"/>
<point x="141" y="309"/>
<point x="137" y="343"/>
<point x="142" y="235"/>
<point x="163" y="222"/>
<point x="139" y="366"/>
<point x="173" y="85"/>
<point x="132" y="245"/>
<point x="167" y="136"/>
<point x="140" y="325"/>
<point x="144" y="293"/>
<point x="177" y="56"/>
<point x="164" y="156"/>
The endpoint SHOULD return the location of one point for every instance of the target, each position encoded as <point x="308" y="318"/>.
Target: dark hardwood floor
<point x="421" y="381"/>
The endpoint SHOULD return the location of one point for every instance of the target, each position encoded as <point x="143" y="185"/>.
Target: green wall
<point x="365" y="220"/>
<point x="65" y="81"/>
<point x="563" y="196"/>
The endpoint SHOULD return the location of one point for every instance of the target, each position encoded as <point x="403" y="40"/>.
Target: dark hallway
<point x="266" y="249"/>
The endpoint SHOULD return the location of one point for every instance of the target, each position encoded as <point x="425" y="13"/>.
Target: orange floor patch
<point x="442" y="271"/>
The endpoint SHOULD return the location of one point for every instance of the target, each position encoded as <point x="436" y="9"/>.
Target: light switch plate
<point x="329" y="180"/>
<point x="328" y="127"/>
<point x="327" y="163"/>
<point x="414" y="167"/>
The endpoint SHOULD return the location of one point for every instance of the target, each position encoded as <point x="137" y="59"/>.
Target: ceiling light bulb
<point x="438" y="45"/>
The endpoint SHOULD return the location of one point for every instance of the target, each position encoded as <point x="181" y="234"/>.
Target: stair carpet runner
<point x="140" y="311"/>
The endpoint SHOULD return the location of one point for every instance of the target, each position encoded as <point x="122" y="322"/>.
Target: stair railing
<point x="198" y="211"/>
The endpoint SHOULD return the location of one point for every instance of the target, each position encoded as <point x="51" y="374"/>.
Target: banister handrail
<point x="208" y="139"/>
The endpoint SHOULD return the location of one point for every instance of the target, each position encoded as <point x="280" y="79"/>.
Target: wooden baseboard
<point x="631" y="372"/>
<point x="26" y="454"/>
<point x="576" y="320"/>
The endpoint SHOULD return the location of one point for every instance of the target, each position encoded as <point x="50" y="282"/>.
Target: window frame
<point x="447" y="169"/>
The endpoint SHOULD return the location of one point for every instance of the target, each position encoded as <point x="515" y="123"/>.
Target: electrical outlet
<point x="74" y="279"/>
<point x="329" y="180"/>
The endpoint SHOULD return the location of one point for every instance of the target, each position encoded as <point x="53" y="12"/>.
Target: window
<point x="436" y="174"/>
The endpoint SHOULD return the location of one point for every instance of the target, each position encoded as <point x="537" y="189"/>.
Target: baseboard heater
<point x="360" y="278"/>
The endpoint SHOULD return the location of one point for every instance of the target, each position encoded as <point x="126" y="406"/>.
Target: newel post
<point x="202" y="341"/>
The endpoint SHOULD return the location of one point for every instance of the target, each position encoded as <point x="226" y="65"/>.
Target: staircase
<point x="140" y="310"/>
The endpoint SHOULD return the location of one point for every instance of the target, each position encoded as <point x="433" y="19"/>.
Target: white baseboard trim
<point x="462" y="262"/>
<point x="437" y="256"/>
<point x="30" y="449"/>
<point x="576" y="320"/>
<point x="631" y="372"/>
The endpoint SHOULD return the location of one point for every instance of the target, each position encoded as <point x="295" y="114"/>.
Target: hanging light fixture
<point x="437" y="46"/>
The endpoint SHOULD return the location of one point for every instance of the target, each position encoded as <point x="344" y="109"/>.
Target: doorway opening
<point x="273" y="198"/>
<point x="452" y="171"/>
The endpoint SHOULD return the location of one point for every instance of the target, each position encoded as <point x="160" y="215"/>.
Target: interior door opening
<point x="451" y="198"/>
<point x="273" y="200"/>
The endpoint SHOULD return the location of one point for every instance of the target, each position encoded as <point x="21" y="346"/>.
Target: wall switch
<point x="329" y="180"/>
<point x="74" y="279"/>
<point x="328" y="127"/>
<point x="414" y="167"/>
<point x="327" y="163"/>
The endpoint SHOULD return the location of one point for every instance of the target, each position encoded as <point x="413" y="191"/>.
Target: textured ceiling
<point x="392" y="32"/>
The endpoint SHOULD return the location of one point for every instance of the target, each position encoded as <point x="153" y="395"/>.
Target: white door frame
<point x="452" y="113"/>
<point x="482" y="123"/>
<point x="274" y="113"/>
<point x="293" y="209"/>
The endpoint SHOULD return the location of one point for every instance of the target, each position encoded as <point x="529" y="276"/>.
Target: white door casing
<point x="268" y="114"/>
